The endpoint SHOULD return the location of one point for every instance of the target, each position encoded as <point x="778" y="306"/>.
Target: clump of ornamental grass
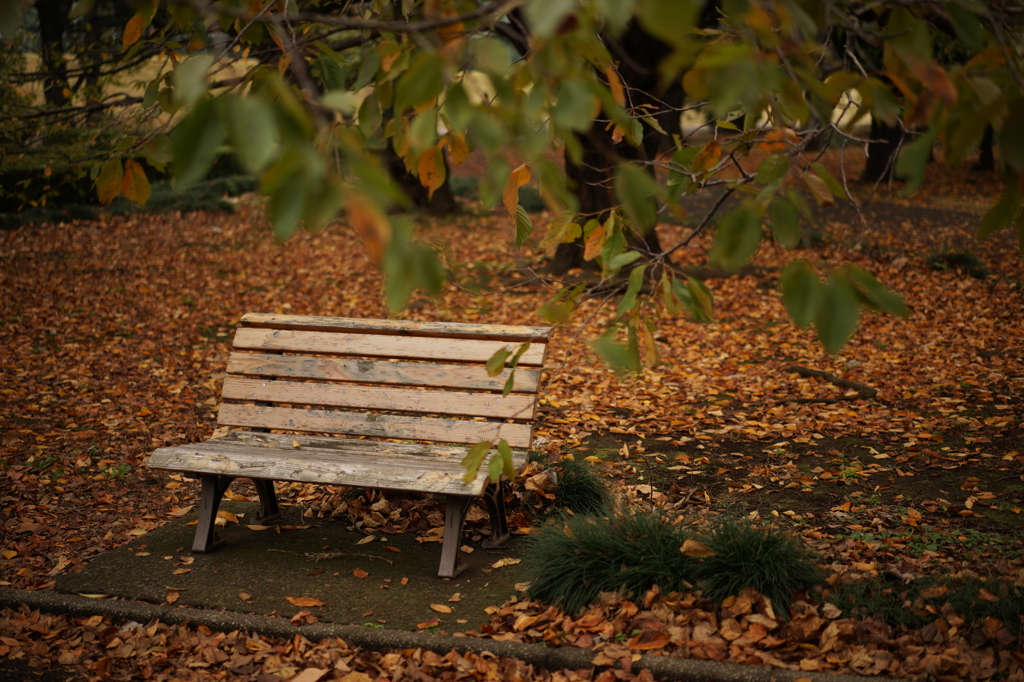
<point x="571" y="561"/>
<point x="581" y="489"/>
<point x="765" y="558"/>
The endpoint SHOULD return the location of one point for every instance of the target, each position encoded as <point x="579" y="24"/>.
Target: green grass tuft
<point x="571" y="562"/>
<point x="773" y="562"/>
<point x="581" y="489"/>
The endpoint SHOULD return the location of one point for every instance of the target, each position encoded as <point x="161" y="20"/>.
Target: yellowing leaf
<point x="295" y="443"/>
<point x="9" y="554"/>
<point x="594" y="243"/>
<point x="370" y="222"/>
<point x="171" y="597"/>
<point x="137" y="531"/>
<point x="180" y="511"/>
<point x="225" y="517"/>
<point x="440" y="608"/>
<point x="696" y="549"/>
<point x="505" y="562"/>
<point x="432" y="623"/>
<point x="510" y="196"/>
<point x="135" y="185"/>
<point x="432" y="173"/>
<point x="458" y="147"/>
<point x="304" y="601"/>
<point x="615" y="85"/>
<point x="182" y="571"/>
<point x="368" y="538"/>
<point x="132" y="32"/>
<point x="818" y="188"/>
<point x="108" y="184"/>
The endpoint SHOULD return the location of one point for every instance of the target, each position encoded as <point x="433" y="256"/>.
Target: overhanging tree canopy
<point x="309" y="95"/>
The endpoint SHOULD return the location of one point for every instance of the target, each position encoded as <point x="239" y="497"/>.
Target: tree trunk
<point x="442" y="203"/>
<point x="986" y="158"/>
<point x="637" y="55"/>
<point x="885" y="144"/>
<point x="53" y="22"/>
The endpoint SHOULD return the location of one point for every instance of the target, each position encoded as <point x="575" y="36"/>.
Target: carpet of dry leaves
<point x="116" y="333"/>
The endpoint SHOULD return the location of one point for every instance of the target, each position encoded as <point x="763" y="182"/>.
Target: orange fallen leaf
<point x="171" y="597"/>
<point x="432" y="623"/>
<point x="440" y="608"/>
<point x="360" y="573"/>
<point x="696" y="549"/>
<point x="305" y="601"/>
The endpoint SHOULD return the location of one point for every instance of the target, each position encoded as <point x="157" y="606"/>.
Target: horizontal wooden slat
<point x="464" y="350"/>
<point x="379" y="371"/>
<point x="397" y="327"/>
<point x="307" y="464"/>
<point x="516" y="406"/>
<point x="375" y="425"/>
<point x="284" y="441"/>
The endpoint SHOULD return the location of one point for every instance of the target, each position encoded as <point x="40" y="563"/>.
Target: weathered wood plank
<point x="379" y="371"/>
<point x="516" y="406"/>
<point x="465" y="350"/>
<point x="398" y="327"/>
<point x="308" y="465"/>
<point x="284" y="441"/>
<point x="374" y="425"/>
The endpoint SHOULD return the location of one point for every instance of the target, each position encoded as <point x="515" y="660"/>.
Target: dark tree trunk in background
<point x="442" y="203"/>
<point x="986" y="158"/>
<point x="637" y="55"/>
<point x="882" y="150"/>
<point x="53" y="22"/>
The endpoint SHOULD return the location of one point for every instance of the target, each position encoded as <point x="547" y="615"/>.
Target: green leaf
<point x="618" y="357"/>
<point x="637" y="191"/>
<point x="670" y="21"/>
<point x="636" y="281"/>
<point x="473" y="459"/>
<point x="195" y="142"/>
<point x="509" y="383"/>
<point x="1004" y="210"/>
<point x="423" y="131"/>
<point x="1011" y="137"/>
<point x="524" y="226"/>
<point x="837" y="314"/>
<point x="558" y="231"/>
<point x="801" y="292"/>
<point x="108" y="184"/>
<point x="189" y="79"/>
<point x="967" y="27"/>
<point x="574" y="109"/>
<point x="785" y="222"/>
<point x="667" y="295"/>
<point x="457" y="107"/>
<point x="491" y="56"/>
<point x="913" y="160"/>
<point x="545" y="16"/>
<point x="701" y="302"/>
<point x="773" y="168"/>
<point x="620" y="261"/>
<point x="558" y="308"/>
<point x="285" y="207"/>
<point x="340" y="100"/>
<point x="10" y="20"/>
<point x="737" y="237"/>
<point x="496" y="362"/>
<point x="252" y="131"/>
<point x="369" y="115"/>
<point x="505" y="451"/>
<point x="152" y="91"/>
<point x="494" y="468"/>
<point x="423" y="81"/>
<point x="159" y="152"/>
<point x="830" y="181"/>
<point x="368" y="66"/>
<point x="877" y="294"/>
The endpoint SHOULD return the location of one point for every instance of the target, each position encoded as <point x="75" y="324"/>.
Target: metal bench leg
<point x="455" y="507"/>
<point x="269" y="511"/>
<point x="494" y="498"/>
<point x="206" y="539"/>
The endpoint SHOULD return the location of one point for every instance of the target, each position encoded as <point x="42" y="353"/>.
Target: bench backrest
<point x="423" y="381"/>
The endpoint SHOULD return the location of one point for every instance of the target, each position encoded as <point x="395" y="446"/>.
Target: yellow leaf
<point x="440" y="608"/>
<point x="132" y="32"/>
<point x="181" y="571"/>
<point x="171" y="597"/>
<point x="227" y="517"/>
<point x="138" y="531"/>
<point x="455" y="597"/>
<point x="696" y="549"/>
<point x="457" y="147"/>
<point x="370" y="222"/>
<point x="172" y="485"/>
<point x="108" y="184"/>
<point x="180" y="511"/>
<point x="432" y="173"/>
<point x="510" y="196"/>
<point x="594" y="243"/>
<point x="9" y="553"/>
<point x="135" y="185"/>
<point x="368" y="538"/>
<point x="505" y="562"/>
<point x="305" y="601"/>
<point x="295" y="443"/>
<point x="615" y="85"/>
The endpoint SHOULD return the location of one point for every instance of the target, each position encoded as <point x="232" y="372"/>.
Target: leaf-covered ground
<point x="116" y="332"/>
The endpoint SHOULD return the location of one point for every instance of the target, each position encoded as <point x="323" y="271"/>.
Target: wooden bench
<point x="374" y="382"/>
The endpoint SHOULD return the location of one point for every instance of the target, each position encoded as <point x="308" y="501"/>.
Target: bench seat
<point x="385" y="404"/>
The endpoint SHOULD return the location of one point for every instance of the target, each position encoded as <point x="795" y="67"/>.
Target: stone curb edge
<point x="551" y="658"/>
